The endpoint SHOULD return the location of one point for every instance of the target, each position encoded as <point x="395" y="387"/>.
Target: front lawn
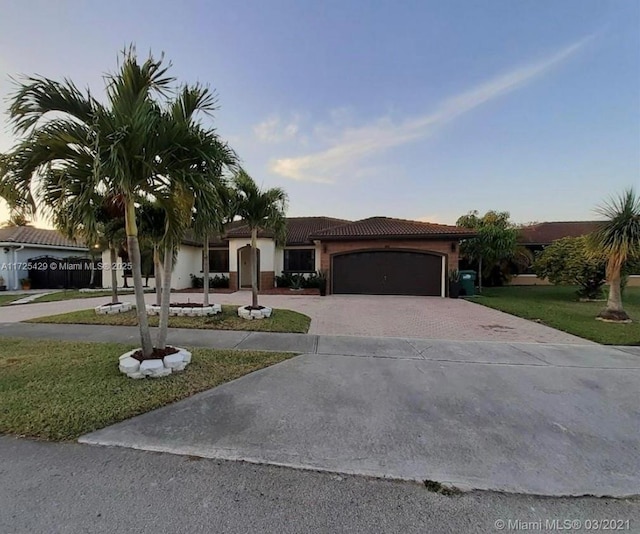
<point x="280" y="320"/>
<point x="69" y="294"/>
<point x="557" y="306"/>
<point x="59" y="390"/>
<point x="6" y="299"/>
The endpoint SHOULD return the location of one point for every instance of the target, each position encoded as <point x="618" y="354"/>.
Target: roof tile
<point x="380" y="227"/>
<point x="547" y="232"/>
<point x="30" y="235"/>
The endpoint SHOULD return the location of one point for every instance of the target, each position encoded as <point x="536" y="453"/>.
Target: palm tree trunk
<point x="113" y="258"/>
<point x="254" y="267"/>
<point x="92" y="280"/>
<point x="205" y="269"/>
<point x="480" y="275"/>
<point x="136" y="270"/>
<point x="614" y="310"/>
<point x="157" y="270"/>
<point x="166" y="298"/>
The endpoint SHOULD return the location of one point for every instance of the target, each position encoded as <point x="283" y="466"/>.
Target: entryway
<point x="244" y="267"/>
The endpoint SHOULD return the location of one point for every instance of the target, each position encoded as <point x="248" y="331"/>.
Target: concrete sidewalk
<point x="536" y="354"/>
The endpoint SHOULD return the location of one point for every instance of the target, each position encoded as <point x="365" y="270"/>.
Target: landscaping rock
<point x="186" y="356"/>
<point x="173" y="360"/>
<point x="129" y="365"/>
<point x="127" y="354"/>
<point x="246" y="313"/>
<point x="112" y="309"/>
<point x="150" y="367"/>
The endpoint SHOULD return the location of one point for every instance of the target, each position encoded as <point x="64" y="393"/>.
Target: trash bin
<point x="468" y="283"/>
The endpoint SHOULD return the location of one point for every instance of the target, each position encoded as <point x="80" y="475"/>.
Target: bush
<point x="218" y="281"/>
<point x="566" y="261"/>
<point x="299" y="280"/>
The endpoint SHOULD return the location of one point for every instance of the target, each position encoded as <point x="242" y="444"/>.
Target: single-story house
<point x="536" y="237"/>
<point x="25" y="246"/>
<point x="378" y="255"/>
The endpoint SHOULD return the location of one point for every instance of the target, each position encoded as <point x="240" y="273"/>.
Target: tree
<point x="495" y="242"/>
<point x="16" y="219"/>
<point x="134" y="145"/>
<point x="618" y="239"/>
<point x="205" y="224"/>
<point x="567" y="261"/>
<point x="262" y="210"/>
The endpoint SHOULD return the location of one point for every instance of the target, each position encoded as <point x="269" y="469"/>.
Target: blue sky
<point x="413" y="109"/>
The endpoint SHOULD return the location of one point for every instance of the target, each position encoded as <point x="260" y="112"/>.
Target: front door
<point x="244" y="262"/>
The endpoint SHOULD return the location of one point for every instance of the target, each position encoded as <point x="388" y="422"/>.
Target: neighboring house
<point x="536" y="237"/>
<point x="378" y="255"/>
<point x="24" y="245"/>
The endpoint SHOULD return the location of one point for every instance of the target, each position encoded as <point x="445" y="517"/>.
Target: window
<point x="218" y="260"/>
<point x="300" y="260"/>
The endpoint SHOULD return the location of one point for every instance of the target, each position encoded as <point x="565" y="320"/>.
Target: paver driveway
<point x="362" y="315"/>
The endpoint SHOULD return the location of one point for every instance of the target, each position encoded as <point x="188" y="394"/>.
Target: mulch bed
<point x="110" y="304"/>
<point x="157" y="354"/>
<point x="187" y="305"/>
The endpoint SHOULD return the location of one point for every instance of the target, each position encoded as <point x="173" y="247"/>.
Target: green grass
<point x="5" y="299"/>
<point x="69" y="294"/>
<point x="559" y="308"/>
<point x="58" y="390"/>
<point x="280" y="320"/>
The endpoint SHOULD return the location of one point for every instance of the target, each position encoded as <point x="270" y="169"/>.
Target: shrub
<point x="566" y="261"/>
<point x="218" y="281"/>
<point x="299" y="280"/>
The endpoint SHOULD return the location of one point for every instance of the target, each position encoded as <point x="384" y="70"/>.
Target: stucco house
<point x="378" y="255"/>
<point x="24" y="245"/>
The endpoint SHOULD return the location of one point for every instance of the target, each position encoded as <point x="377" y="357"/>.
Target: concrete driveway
<point x="361" y="315"/>
<point x="525" y="418"/>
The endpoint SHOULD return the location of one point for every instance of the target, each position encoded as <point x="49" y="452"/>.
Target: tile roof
<point x="381" y="227"/>
<point x="298" y="229"/>
<point x="214" y="241"/>
<point x="28" y="235"/>
<point x="547" y="232"/>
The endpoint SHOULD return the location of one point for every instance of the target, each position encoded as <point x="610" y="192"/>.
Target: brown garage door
<point x="387" y="272"/>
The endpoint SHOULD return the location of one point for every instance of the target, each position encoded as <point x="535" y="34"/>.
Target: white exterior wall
<point x="267" y="253"/>
<point x="189" y="262"/>
<point x="7" y="275"/>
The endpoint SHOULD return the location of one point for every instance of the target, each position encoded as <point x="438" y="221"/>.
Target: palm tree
<point x="134" y="148"/>
<point x="262" y="210"/>
<point x="205" y="224"/>
<point x="495" y="241"/>
<point x="618" y="238"/>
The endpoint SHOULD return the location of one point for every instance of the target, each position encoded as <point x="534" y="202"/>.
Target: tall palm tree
<point x="618" y="238"/>
<point x="262" y="210"/>
<point x="136" y="151"/>
<point x="205" y="224"/>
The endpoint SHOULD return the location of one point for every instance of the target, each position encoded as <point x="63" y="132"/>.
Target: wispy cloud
<point x="276" y="130"/>
<point x="352" y="145"/>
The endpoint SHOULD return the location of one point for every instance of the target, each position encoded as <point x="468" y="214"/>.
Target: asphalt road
<point x="72" y="488"/>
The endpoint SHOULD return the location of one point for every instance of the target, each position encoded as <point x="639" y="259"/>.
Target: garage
<point x="387" y="272"/>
